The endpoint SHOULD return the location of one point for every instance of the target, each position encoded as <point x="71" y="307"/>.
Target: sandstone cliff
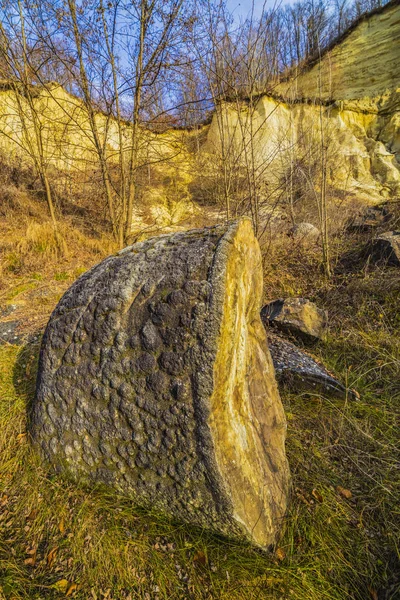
<point x="360" y="146"/>
<point x="362" y="64"/>
<point x="345" y="104"/>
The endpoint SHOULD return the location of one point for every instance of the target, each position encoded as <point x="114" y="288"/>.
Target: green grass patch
<point x="61" y="276"/>
<point x="21" y="288"/>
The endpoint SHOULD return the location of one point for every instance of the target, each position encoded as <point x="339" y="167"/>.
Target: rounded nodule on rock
<point x="172" y="363"/>
<point x="150" y="337"/>
<point x="146" y="362"/>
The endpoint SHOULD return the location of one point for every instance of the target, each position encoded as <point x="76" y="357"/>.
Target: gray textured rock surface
<point x="371" y="218"/>
<point x="9" y="333"/>
<point x="155" y="378"/>
<point x="306" y="233"/>
<point x="298" y="371"/>
<point x="7" y="310"/>
<point x="387" y="247"/>
<point x="297" y="316"/>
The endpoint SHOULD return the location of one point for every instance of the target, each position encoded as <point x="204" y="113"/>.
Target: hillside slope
<point x="345" y="106"/>
<point x="362" y="64"/>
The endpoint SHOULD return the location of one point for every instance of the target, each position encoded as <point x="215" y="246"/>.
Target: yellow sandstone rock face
<point x="69" y="148"/>
<point x="358" y="80"/>
<point x="246" y="412"/>
<point x="357" y="125"/>
<point x="360" y="148"/>
<point x="155" y="379"/>
<point x="363" y="65"/>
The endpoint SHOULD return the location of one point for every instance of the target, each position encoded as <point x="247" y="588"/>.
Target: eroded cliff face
<point x="362" y="64"/>
<point x="359" y="147"/>
<point x="65" y="129"/>
<point x="69" y="151"/>
<point x="345" y="106"/>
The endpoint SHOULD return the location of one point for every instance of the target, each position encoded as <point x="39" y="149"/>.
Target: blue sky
<point x="241" y="8"/>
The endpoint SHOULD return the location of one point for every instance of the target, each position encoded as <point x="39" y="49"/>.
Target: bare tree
<point x="240" y="63"/>
<point x="116" y="67"/>
<point x="22" y="77"/>
<point x="155" y="23"/>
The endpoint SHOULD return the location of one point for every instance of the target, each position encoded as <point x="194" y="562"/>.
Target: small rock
<point x="9" y="333"/>
<point x="305" y="232"/>
<point x="369" y="219"/>
<point x="7" y="310"/>
<point x="298" y="371"/>
<point x="298" y="316"/>
<point x="387" y="247"/>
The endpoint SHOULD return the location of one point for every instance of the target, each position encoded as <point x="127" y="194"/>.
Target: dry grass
<point x="34" y="245"/>
<point x="37" y="263"/>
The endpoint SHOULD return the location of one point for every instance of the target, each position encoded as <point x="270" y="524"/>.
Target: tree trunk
<point x="88" y="100"/>
<point x="155" y="378"/>
<point x="144" y="16"/>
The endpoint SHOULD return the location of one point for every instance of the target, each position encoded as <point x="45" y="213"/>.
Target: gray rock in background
<point x="298" y="316"/>
<point x="371" y="218"/>
<point x="305" y="233"/>
<point x="387" y="247"/>
<point x="9" y="333"/>
<point x="299" y="372"/>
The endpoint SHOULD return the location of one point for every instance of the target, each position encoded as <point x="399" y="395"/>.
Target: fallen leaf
<point x="32" y="515"/>
<point x="343" y="492"/>
<point x="21" y="437"/>
<point x="280" y="554"/>
<point x="61" y="526"/>
<point x="374" y="594"/>
<point x="302" y="498"/>
<point x="61" y="585"/>
<point x="71" y="589"/>
<point x="51" y="557"/>
<point x="200" y="558"/>
<point x="316" y="494"/>
<point x="31" y="552"/>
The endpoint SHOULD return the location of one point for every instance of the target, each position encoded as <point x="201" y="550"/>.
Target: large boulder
<point x="387" y="247"/>
<point x="155" y="378"/>
<point x="298" y="316"/>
